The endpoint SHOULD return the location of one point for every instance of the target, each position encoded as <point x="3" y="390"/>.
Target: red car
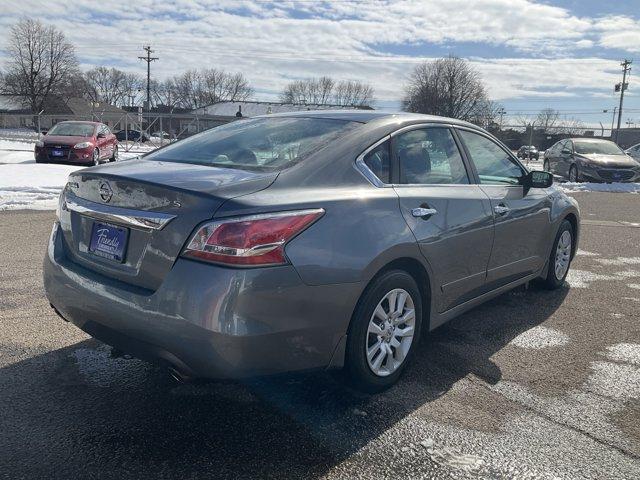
<point x="77" y="142"/>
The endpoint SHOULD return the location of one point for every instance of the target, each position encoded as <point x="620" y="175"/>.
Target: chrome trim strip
<point x="139" y="219"/>
<point x="365" y="170"/>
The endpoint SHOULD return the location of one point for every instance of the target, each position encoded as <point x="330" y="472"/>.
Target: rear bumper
<point x="208" y="321"/>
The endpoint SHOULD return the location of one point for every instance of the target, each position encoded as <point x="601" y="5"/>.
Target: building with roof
<point x="15" y="112"/>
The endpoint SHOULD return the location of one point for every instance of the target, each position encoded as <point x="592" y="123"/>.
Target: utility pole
<point x="501" y="112"/>
<point x="626" y="67"/>
<point x="613" y="119"/>
<point x="148" y="59"/>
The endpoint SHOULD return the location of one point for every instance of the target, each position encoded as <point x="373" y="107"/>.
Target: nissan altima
<point x="302" y="241"/>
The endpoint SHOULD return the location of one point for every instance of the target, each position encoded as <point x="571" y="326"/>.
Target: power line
<point x="148" y="59"/>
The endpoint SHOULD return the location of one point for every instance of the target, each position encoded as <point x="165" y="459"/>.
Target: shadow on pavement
<point x="76" y="412"/>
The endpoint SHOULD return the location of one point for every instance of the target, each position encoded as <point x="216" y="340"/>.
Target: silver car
<point x="310" y="240"/>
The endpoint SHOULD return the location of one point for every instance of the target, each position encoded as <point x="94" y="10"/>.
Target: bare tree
<point x="41" y="61"/>
<point x="353" y="92"/>
<point x="326" y="91"/>
<point x="197" y="88"/>
<point x="110" y="85"/>
<point x="312" y="90"/>
<point x="547" y="119"/>
<point x="448" y="87"/>
<point x="570" y="126"/>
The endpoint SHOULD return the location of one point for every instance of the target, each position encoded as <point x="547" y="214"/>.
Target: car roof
<point x="366" y="116"/>
<point x="80" y="121"/>
<point x="591" y="139"/>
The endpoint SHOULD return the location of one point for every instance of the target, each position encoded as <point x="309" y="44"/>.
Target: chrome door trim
<point x="138" y="219"/>
<point x="365" y="170"/>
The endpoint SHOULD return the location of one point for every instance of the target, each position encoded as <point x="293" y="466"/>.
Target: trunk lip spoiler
<point x="138" y="219"/>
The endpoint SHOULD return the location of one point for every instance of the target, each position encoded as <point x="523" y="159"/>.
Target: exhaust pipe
<point x="178" y="376"/>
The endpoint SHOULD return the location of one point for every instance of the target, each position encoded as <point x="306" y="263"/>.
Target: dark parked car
<point x="302" y="241"/>
<point x="132" y="136"/>
<point x="77" y="142"/>
<point x="528" y="151"/>
<point x="591" y="159"/>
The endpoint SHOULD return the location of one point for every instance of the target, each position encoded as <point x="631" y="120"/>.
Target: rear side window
<point x="257" y="144"/>
<point x="493" y="163"/>
<point x="378" y="161"/>
<point x="430" y="156"/>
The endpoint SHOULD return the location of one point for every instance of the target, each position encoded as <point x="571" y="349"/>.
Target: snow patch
<point x="625" y="352"/>
<point x="619" y="261"/>
<point x="634" y="285"/>
<point x="540" y="337"/>
<point x="584" y="253"/>
<point x="582" y="278"/>
<point x="570" y="187"/>
<point x="615" y="380"/>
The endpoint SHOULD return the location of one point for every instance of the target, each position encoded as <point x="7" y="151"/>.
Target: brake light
<point x="252" y="240"/>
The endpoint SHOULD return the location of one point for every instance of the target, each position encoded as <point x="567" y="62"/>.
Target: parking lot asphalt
<point x="534" y="384"/>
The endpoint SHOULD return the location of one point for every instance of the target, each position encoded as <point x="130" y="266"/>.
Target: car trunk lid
<point x="158" y="204"/>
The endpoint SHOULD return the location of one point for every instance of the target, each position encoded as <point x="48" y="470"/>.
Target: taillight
<point x="252" y="240"/>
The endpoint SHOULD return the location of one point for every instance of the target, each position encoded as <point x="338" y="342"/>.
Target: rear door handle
<point x="501" y="209"/>
<point x="422" y="212"/>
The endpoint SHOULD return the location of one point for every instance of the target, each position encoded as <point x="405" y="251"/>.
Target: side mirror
<point x="102" y="135"/>
<point x="566" y="151"/>
<point x="537" y="179"/>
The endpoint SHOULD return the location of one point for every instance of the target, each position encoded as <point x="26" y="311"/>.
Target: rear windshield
<point x="72" y="130"/>
<point x="256" y="144"/>
<point x="602" y="148"/>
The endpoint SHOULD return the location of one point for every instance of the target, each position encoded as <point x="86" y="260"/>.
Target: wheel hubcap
<point x="563" y="254"/>
<point x="390" y="332"/>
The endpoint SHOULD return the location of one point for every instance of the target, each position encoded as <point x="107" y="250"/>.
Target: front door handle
<point x="422" y="212"/>
<point x="501" y="209"/>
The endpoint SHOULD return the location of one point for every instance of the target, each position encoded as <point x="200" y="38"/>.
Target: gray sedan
<point x="591" y="160"/>
<point x="311" y="240"/>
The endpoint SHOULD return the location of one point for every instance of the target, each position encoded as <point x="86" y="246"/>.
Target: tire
<point x="95" y="159"/>
<point x="556" y="276"/>
<point x="114" y="155"/>
<point x="394" y="351"/>
<point x="545" y="166"/>
<point x="574" y="175"/>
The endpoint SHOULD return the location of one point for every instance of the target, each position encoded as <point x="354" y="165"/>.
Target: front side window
<point x="494" y="165"/>
<point x="378" y="161"/>
<point x="430" y="156"/>
<point x="265" y="144"/>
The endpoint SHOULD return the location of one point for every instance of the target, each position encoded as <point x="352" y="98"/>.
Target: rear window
<point x="256" y="144"/>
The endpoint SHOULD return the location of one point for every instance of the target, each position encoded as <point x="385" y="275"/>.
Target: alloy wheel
<point x="390" y="332"/>
<point x="573" y="174"/>
<point x="563" y="255"/>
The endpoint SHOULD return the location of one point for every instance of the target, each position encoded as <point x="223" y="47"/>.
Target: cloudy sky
<point x="533" y="54"/>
